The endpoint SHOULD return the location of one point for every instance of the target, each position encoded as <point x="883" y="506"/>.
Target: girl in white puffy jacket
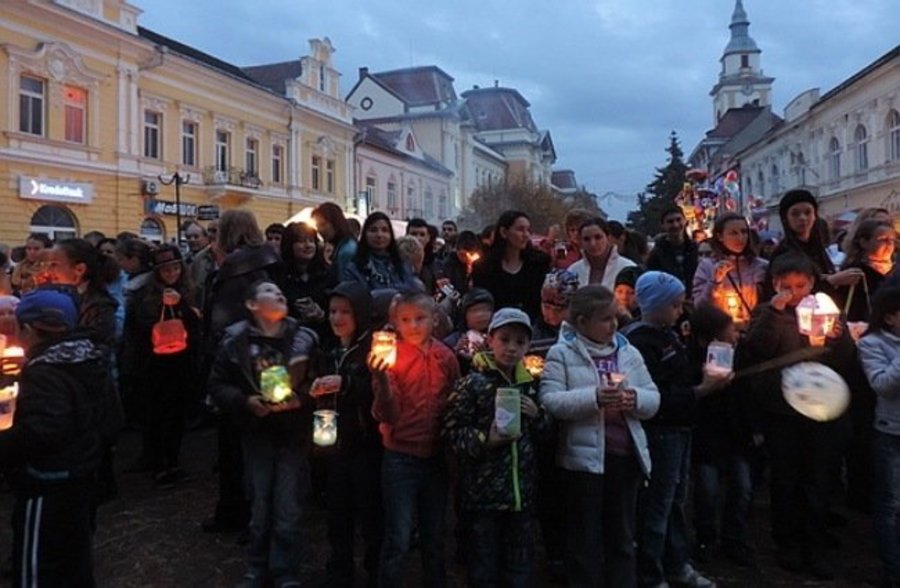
<point x="603" y="449"/>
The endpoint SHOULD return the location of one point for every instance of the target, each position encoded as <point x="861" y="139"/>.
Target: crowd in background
<point x="598" y="332"/>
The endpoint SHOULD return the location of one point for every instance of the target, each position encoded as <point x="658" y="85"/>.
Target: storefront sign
<point x="207" y="212"/>
<point x="166" y="208"/>
<point x="42" y="189"/>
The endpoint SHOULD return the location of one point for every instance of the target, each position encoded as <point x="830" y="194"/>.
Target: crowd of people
<point x="554" y="391"/>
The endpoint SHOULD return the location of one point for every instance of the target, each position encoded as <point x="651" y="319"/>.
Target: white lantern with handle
<point x="815" y="391"/>
<point x="816" y="317"/>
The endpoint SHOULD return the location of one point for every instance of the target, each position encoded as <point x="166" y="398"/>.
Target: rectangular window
<point x="189" y="144"/>
<point x="321" y="78"/>
<point x="31" y="105"/>
<point x="316" y="179"/>
<point x="392" y="196"/>
<point x="745" y="61"/>
<point x="251" y="154"/>
<point x="895" y="144"/>
<point x="223" y="148"/>
<point x="370" y="192"/>
<point x="862" y="156"/>
<point x="75" y="108"/>
<point x="329" y="176"/>
<point x="277" y="158"/>
<point x="152" y="134"/>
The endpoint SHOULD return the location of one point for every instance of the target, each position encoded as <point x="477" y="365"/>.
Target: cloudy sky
<point x="609" y="78"/>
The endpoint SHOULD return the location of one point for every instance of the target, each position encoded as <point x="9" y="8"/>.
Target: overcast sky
<point x="609" y="78"/>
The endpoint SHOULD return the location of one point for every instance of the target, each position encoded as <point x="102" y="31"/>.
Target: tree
<point x="665" y="186"/>
<point x="539" y="202"/>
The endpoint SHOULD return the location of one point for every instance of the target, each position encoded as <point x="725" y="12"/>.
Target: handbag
<point x="169" y="335"/>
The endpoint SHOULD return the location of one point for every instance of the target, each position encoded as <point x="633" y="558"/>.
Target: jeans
<point x="501" y="549"/>
<point x="662" y="528"/>
<point x="601" y="524"/>
<point x="353" y="496"/>
<point x="276" y="477"/>
<point x="414" y="491"/>
<point x="736" y="508"/>
<point x="886" y="507"/>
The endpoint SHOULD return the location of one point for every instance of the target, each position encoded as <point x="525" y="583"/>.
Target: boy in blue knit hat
<point x="662" y="528"/>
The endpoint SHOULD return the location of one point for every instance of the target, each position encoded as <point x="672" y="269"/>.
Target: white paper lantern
<point x="815" y="391"/>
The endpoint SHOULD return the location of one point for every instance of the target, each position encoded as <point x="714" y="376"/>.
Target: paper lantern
<point x="534" y="364"/>
<point x="719" y="358"/>
<point x="8" y="397"/>
<point x="384" y="347"/>
<point x="857" y="329"/>
<point x="815" y="391"/>
<point x="508" y="411"/>
<point x="325" y="428"/>
<point x="275" y="384"/>
<point x="471" y="258"/>
<point x="11" y="361"/>
<point x="816" y="316"/>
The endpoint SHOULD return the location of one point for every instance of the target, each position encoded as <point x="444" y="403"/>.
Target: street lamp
<point x="178" y="180"/>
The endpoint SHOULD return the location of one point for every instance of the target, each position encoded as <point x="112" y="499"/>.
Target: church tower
<point x="741" y="81"/>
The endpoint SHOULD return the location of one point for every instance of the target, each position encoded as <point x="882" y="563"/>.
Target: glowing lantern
<point x="8" y="397"/>
<point x="325" y="428"/>
<point x="816" y="316"/>
<point x="614" y="379"/>
<point x="534" y="364"/>
<point x="471" y="258"/>
<point x="815" y="391"/>
<point x="508" y="412"/>
<point x="275" y="384"/>
<point x="733" y="305"/>
<point x="719" y="358"/>
<point x="11" y="361"/>
<point x="384" y="347"/>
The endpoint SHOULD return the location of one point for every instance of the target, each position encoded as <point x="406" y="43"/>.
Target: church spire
<point x="741" y="41"/>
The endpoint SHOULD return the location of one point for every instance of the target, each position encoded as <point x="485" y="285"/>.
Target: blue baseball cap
<point x="48" y="310"/>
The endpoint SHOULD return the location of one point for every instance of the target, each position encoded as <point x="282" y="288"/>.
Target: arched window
<point x="55" y="221"/>
<point x="774" y="187"/>
<point x="894" y="134"/>
<point x="410" y="143"/>
<point x="862" y="148"/>
<point x="834" y="159"/>
<point x="152" y="230"/>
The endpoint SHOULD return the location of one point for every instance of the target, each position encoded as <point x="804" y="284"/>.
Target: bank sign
<point x="43" y="189"/>
<point x="166" y="208"/>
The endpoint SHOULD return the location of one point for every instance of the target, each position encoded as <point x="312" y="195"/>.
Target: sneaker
<point x="691" y="578"/>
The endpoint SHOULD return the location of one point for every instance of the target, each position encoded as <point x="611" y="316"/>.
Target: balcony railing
<point x="232" y="176"/>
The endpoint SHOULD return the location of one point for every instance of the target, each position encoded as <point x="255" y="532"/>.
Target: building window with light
<point x="894" y="134"/>
<point x="188" y="144"/>
<point x="277" y="163"/>
<point x="75" y="109"/>
<point x="834" y="159"/>
<point x="31" y="105"/>
<point x="329" y="176"/>
<point x="152" y="134"/>
<point x="316" y="177"/>
<point x="250" y="160"/>
<point x="223" y="150"/>
<point x="861" y="136"/>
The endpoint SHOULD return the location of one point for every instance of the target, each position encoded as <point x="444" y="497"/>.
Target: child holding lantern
<point x="803" y="453"/>
<point x="498" y="468"/>
<point x="410" y="396"/>
<point x="353" y="465"/>
<point x="258" y="377"/>
<point x="603" y="448"/>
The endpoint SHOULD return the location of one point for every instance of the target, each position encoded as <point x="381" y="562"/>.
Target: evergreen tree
<point x="666" y="185"/>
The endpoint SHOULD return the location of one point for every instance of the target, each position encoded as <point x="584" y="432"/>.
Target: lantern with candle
<point x="471" y="258"/>
<point x="534" y="364"/>
<point x="11" y="361"/>
<point x="733" y="305"/>
<point x="384" y="347"/>
<point x="275" y="384"/>
<point x="325" y="428"/>
<point x="816" y="317"/>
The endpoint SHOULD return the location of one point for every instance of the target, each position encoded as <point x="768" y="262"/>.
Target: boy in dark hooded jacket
<point x="354" y="466"/>
<point x="56" y="440"/>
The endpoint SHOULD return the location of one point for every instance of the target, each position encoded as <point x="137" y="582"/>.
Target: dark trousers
<point x="602" y="512"/>
<point x="886" y="508"/>
<point x="52" y="535"/>
<point x="802" y="457"/>
<point x="232" y="507"/>
<point x="501" y="549"/>
<point x="353" y="495"/>
<point x="709" y="478"/>
<point x="165" y="421"/>
<point x="551" y="502"/>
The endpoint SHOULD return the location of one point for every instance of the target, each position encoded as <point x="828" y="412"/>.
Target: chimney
<point x="496" y="83"/>
<point x="363" y="72"/>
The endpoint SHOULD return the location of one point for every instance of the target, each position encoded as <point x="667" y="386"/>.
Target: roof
<point x="741" y="41"/>
<point x="890" y="55"/>
<point x="764" y="124"/>
<point x="734" y="120"/>
<point x="564" y="179"/>
<point x="274" y="75"/>
<point x="387" y="141"/>
<point x="496" y="108"/>
<point x="418" y="86"/>
<point x="195" y="54"/>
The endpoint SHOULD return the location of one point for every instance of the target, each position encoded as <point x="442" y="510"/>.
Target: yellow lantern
<point x="733" y="305"/>
<point x="325" y="428"/>
<point x="8" y="397"/>
<point x="11" y="361"/>
<point x="816" y="317"/>
<point x="471" y="258"/>
<point x="534" y="364"/>
<point x="384" y="347"/>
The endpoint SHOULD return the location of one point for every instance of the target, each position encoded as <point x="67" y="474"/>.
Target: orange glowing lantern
<point x="816" y="316"/>
<point x="11" y="361"/>
<point x="471" y="258"/>
<point x="384" y="347"/>
<point x="733" y="305"/>
<point x="534" y="364"/>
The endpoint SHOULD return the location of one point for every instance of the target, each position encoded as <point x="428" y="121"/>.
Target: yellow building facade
<point x="98" y="114"/>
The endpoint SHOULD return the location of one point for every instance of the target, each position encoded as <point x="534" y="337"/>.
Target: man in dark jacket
<point x="55" y="442"/>
<point x="674" y="253"/>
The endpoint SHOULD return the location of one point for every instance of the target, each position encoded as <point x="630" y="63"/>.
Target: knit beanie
<point x="628" y="276"/>
<point x="792" y="197"/>
<point x="475" y="296"/>
<point x="656" y="290"/>
<point x="559" y="285"/>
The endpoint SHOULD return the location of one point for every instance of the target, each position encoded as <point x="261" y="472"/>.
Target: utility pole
<point x="178" y="180"/>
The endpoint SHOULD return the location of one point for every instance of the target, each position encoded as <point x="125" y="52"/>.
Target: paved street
<point x="151" y="538"/>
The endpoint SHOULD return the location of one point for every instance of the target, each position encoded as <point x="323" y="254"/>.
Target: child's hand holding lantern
<point x="325" y="385"/>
